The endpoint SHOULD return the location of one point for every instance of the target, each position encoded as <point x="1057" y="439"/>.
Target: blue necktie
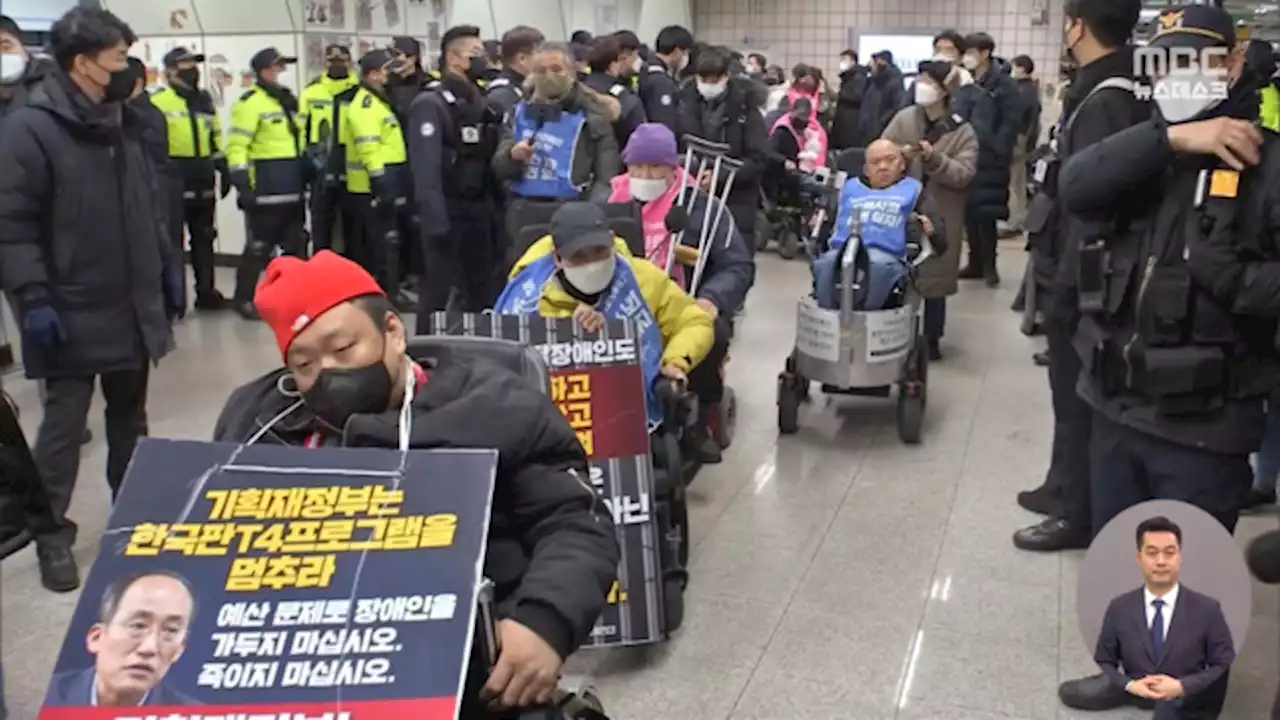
<point x="1157" y="629"/>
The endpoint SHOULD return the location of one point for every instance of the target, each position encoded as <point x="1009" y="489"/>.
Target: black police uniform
<point x="660" y="94"/>
<point x="506" y="91"/>
<point x="1178" y="325"/>
<point x="452" y="136"/>
<point x="1100" y="103"/>
<point x="632" y="115"/>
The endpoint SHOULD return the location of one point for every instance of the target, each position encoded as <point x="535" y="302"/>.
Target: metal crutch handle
<point x="732" y="167"/>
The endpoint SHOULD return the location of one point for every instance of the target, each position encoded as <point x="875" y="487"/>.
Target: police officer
<point x="267" y="161"/>
<point x="659" y="88"/>
<point x="407" y="76"/>
<point x="1100" y="103"/>
<point x="323" y="102"/>
<point x="454" y="133"/>
<point x="1178" y="325"/>
<point x="195" y="150"/>
<point x="631" y="61"/>
<point x="518" y="46"/>
<point x="378" y="171"/>
<point x="608" y="77"/>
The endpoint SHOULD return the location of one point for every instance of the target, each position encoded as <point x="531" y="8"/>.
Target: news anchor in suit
<point x="1165" y="642"/>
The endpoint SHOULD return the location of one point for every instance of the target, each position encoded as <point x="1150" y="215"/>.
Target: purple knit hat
<point x="651" y="144"/>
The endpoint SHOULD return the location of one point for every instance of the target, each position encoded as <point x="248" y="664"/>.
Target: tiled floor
<point x="837" y="574"/>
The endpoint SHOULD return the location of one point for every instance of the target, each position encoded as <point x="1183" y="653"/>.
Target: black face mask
<point x="340" y="393"/>
<point x="478" y="69"/>
<point x="339" y="70"/>
<point x="190" y="77"/>
<point x="119" y="87"/>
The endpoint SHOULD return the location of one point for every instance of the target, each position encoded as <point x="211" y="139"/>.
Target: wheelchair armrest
<point x="679" y="406"/>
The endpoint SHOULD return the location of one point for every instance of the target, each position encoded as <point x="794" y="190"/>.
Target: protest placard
<point x="266" y="582"/>
<point x="598" y="384"/>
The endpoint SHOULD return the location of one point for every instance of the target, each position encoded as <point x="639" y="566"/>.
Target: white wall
<point x="557" y="19"/>
<point x="35" y="14"/>
<point x="816" y="31"/>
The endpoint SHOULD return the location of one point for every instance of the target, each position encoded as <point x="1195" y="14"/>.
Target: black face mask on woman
<point x="339" y="393"/>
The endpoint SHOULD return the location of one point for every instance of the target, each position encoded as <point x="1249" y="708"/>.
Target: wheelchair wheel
<point x="680" y="523"/>
<point x="726" y="420"/>
<point x="788" y="243"/>
<point x="910" y="417"/>
<point x="788" y="406"/>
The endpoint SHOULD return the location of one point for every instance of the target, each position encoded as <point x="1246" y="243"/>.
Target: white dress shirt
<point x="1170" y="601"/>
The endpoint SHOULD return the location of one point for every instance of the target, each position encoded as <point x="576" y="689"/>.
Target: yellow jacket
<point x="687" y="330"/>
<point x="1269" y="108"/>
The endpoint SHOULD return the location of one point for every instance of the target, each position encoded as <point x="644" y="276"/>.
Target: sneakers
<point x="58" y="570"/>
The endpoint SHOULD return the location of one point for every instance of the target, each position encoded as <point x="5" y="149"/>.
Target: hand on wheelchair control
<point x="588" y="317"/>
<point x="526" y="672"/>
<point x="676" y="375"/>
<point x="925" y="223"/>
<point x="709" y="308"/>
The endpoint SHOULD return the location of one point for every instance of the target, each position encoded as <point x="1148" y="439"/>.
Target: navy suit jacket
<point x="75" y="687"/>
<point x="1197" y="648"/>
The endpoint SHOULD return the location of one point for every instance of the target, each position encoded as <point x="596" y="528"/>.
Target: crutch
<point x="713" y="155"/>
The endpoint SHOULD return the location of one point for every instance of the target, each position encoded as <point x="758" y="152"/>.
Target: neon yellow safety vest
<point x="316" y="104"/>
<point x="376" y="142"/>
<point x="267" y="140"/>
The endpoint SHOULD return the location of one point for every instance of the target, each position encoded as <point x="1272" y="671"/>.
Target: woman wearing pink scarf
<point x="656" y="179"/>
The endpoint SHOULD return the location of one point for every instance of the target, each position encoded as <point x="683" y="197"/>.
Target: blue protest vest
<point x="883" y="214"/>
<point x="623" y="301"/>
<point x="549" y="172"/>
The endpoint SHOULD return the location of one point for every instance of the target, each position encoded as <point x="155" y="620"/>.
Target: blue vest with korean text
<point x="549" y="172"/>
<point x="883" y="214"/>
<point x="622" y="301"/>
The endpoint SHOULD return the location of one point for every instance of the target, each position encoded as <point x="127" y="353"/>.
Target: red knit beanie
<point x="294" y="292"/>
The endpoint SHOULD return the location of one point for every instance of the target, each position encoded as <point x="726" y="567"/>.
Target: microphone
<point x="677" y="220"/>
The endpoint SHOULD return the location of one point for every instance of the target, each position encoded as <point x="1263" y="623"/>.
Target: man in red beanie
<point x="552" y="552"/>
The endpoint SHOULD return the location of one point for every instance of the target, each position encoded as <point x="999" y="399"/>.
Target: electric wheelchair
<point x="482" y="337"/>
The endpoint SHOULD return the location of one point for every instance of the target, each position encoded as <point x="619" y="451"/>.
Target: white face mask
<point x="1177" y="109"/>
<point x="711" y="91"/>
<point x="593" y="277"/>
<point x="845" y="65"/>
<point x="647" y="190"/>
<point x="970" y="62"/>
<point x="12" y="66"/>
<point x="927" y="94"/>
<point x="637" y="65"/>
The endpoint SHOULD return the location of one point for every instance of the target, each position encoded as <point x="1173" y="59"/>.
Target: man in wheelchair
<point x="552" y="551"/>
<point x="656" y="180"/>
<point x="582" y="271"/>
<point x="890" y="214"/>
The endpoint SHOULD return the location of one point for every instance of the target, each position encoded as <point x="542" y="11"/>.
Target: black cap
<point x="268" y="57"/>
<point x="579" y="226"/>
<point x="1195" y="26"/>
<point x="337" y="52"/>
<point x="10" y="26"/>
<point x="406" y="45"/>
<point x="375" y="60"/>
<point x="181" y="54"/>
<point x="939" y="70"/>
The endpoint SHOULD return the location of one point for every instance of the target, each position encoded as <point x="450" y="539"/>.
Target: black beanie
<point x="10" y="26"/>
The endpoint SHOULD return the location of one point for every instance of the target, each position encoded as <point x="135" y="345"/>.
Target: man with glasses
<point x="141" y="631"/>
